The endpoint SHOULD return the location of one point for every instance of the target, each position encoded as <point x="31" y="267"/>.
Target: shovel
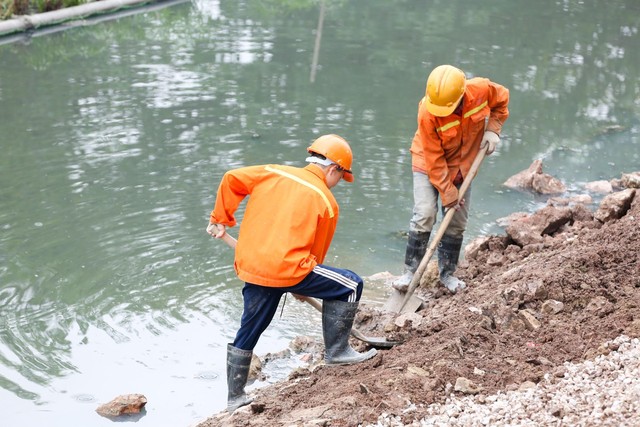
<point x="378" y="342"/>
<point x="396" y="302"/>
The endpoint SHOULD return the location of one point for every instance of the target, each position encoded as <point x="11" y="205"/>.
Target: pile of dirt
<point x="530" y="306"/>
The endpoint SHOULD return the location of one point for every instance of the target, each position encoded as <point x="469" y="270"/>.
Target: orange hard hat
<point x="337" y="150"/>
<point x="445" y="87"/>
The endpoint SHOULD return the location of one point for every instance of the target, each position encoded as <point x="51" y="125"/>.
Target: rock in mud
<point x="530" y="229"/>
<point x="466" y="386"/>
<point x="631" y="180"/>
<point x="615" y="205"/>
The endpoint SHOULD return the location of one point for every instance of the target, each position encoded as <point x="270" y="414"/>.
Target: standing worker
<point x="456" y="119"/>
<point x="288" y="225"/>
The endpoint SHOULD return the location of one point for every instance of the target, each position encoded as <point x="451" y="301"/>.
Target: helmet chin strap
<point x="319" y="161"/>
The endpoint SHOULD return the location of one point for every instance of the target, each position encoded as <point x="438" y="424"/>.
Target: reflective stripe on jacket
<point x="442" y="146"/>
<point x="288" y="224"/>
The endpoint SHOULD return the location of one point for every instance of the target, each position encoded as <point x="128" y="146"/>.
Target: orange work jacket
<point x="288" y="224"/>
<point x="444" y="146"/>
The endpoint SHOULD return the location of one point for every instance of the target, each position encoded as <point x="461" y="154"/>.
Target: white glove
<point x="489" y="141"/>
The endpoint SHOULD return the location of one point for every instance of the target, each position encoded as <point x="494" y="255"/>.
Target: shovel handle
<point x="229" y="240"/>
<point x="443" y="227"/>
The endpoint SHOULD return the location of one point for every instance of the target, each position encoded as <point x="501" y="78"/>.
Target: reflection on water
<point x="115" y="137"/>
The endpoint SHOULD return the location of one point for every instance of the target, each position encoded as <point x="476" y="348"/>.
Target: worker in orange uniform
<point x="289" y="222"/>
<point x="456" y="118"/>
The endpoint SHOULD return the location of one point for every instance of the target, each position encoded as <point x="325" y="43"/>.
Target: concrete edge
<point x="32" y="22"/>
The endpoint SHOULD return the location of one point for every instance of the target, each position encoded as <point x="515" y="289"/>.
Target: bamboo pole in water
<point x="316" y="48"/>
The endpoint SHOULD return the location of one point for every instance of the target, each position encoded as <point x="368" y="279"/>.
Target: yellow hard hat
<point x="336" y="149"/>
<point x="445" y="87"/>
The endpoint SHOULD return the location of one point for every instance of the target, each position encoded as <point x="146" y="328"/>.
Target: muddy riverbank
<point x="533" y="304"/>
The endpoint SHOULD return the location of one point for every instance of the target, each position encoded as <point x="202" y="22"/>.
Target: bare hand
<point x="216" y="230"/>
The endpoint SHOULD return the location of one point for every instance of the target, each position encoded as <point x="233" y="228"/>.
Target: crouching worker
<point x="287" y="228"/>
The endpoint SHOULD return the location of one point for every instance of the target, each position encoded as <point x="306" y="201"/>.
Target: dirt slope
<point x="527" y="309"/>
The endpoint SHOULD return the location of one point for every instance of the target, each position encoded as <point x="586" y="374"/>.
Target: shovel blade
<point x="378" y="342"/>
<point x="396" y="299"/>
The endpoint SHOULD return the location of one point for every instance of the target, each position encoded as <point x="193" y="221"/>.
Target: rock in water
<point x="533" y="179"/>
<point x="125" y="404"/>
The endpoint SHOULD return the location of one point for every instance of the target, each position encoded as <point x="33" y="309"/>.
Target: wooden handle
<point x="314" y="302"/>
<point x="229" y="240"/>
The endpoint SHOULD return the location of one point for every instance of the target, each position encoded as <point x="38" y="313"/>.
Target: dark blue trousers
<point x="261" y="302"/>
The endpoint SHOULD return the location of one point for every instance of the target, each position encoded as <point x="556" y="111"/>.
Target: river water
<point x="114" y="136"/>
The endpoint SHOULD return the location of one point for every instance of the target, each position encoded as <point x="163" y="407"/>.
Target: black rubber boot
<point x="416" y="248"/>
<point x="337" y="320"/>
<point x="448" y="254"/>
<point x="238" y="364"/>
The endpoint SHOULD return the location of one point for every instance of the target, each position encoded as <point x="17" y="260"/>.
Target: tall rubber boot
<point x="238" y="364"/>
<point x="337" y="320"/>
<point x="416" y="248"/>
<point x="448" y="254"/>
